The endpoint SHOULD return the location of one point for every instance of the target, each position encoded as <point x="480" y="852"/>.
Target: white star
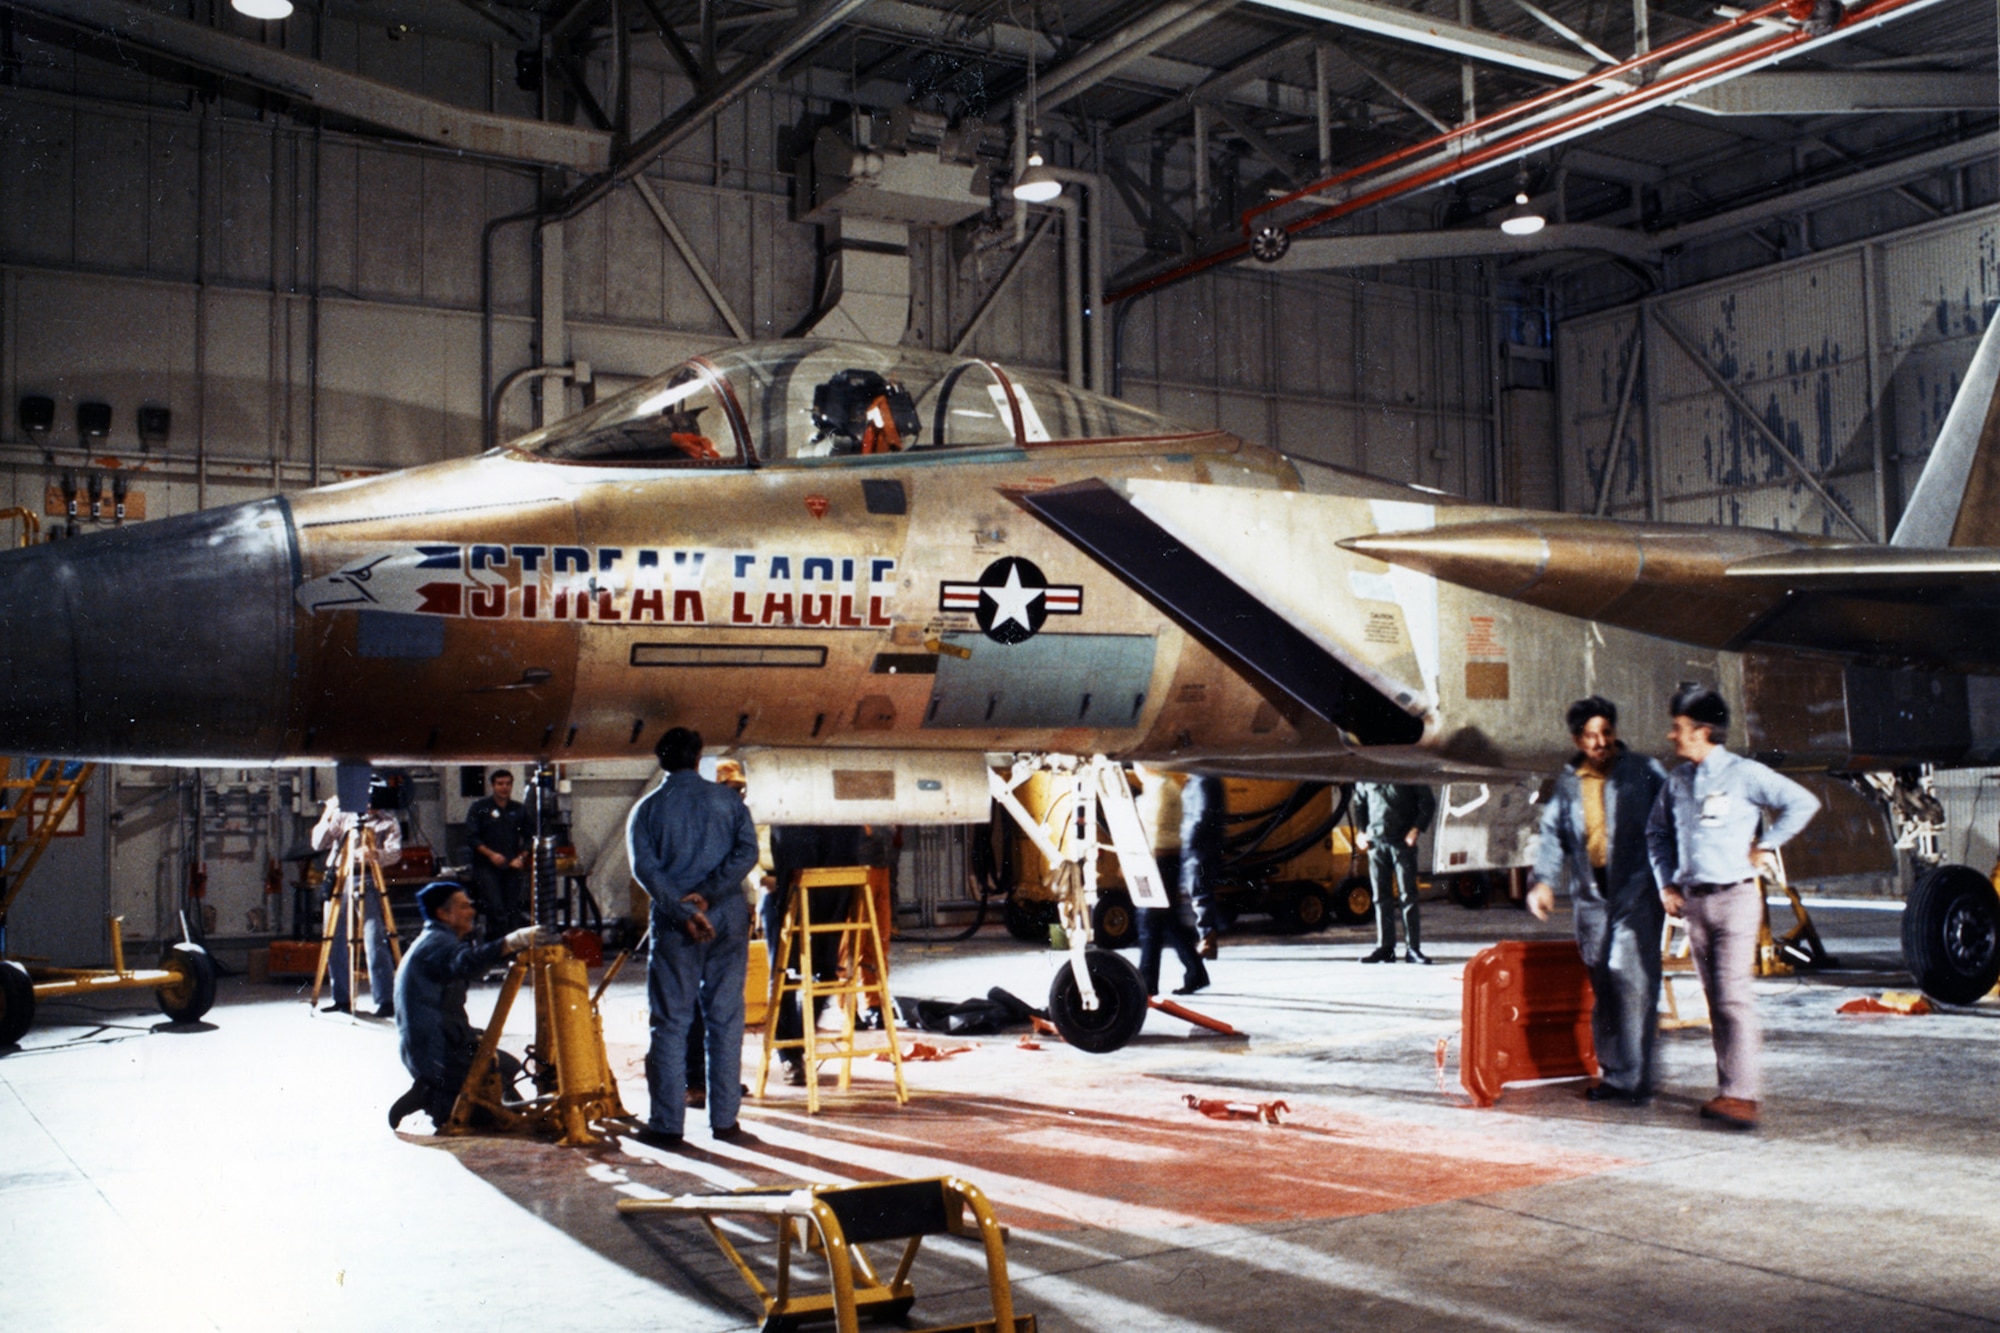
<point x="1011" y="601"/>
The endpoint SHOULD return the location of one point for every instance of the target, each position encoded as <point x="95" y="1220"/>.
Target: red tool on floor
<point x="1526" y="1016"/>
<point x="1215" y="1108"/>
<point x="1187" y="1015"/>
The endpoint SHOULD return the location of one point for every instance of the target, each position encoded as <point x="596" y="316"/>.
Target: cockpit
<point x="806" y="400"/>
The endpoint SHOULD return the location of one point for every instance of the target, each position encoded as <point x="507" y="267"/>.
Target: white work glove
<point x="529" y="937"/>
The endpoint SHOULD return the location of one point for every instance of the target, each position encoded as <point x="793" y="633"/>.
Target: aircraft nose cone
<point x="164" y="640"/>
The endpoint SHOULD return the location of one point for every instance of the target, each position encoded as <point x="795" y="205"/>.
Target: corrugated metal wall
<point x="294" y="295"/>
<point x="1811" y="346"/>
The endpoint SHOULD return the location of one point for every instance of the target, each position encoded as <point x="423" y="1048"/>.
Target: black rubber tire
<point x="17" y="1003"/>
<point x="1121" y="1004"/>
<point x="1472" y="892"/>
<point x="1302" y="909"/>
<point x="1025" y="921"/>
<point x="186" y="1000"/>
<point x="1354" y="901"/>
<point x="1951" y="934"/>
<point x="1114" y="922"/>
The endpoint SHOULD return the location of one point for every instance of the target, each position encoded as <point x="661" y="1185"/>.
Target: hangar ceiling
<point x="1891" y="101"/>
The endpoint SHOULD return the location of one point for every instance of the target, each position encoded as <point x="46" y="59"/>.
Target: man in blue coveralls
<point x="691" y="842"/>
<point x="438" y="1041"/>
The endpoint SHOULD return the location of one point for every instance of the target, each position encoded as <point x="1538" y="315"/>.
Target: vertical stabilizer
<point x="1957" y="499"/>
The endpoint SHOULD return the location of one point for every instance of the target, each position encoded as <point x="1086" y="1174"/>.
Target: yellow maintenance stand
<point x="36" y="797"/>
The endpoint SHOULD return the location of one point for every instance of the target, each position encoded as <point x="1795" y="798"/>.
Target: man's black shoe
<point x="1192" y="987"/>
<point x="1416" y="956"/>
<point x="386" y="1011"/>
<point x="729" y="1133"/>
<point x="1385" y="954"/>
<point x="659" y="1138"/>
<point x="1604" y="1092"/>
<point x="795" y="1073"/>
<point x="413" y="1100"/>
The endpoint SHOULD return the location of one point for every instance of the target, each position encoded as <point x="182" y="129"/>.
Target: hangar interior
<point x="244" y="257"/>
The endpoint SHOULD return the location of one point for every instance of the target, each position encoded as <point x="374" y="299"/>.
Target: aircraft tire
<point x="17" y="1002"/>
<point x="1121" y="1003"/>
<point x="1354" y="901"/>
<point x="1951" y="934"/>
<point x="193" y="993"/>
<point x="1114" y="922"/>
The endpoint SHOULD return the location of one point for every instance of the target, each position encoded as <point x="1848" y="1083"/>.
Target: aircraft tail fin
<point x="1957" y="499"/>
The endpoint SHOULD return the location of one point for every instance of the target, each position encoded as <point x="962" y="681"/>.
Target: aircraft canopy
<point x="806" y="399"/>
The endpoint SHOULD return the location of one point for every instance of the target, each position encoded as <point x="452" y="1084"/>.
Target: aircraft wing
<point x="1203" y="575"/>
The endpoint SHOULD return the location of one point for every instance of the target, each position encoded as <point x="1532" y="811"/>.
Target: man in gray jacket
<point x="1594" y="830"/>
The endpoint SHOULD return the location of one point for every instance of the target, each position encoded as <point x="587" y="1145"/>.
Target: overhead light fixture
<point x="1522" y="219"/>
<point x="268" y="10"/>
<point x="1037" y="184"/>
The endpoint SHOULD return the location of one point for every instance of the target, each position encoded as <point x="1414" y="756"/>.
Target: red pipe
<point x="1526" y="139"/>
<point x="1590" y="80"/>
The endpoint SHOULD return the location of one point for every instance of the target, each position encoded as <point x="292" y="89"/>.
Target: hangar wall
<point x="1811" y="346"/>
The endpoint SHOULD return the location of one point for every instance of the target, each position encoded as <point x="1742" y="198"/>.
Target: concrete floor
<point x="239" y="1175"/>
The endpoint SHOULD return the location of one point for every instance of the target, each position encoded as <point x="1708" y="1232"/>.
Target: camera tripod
<point x="357" y="872"/>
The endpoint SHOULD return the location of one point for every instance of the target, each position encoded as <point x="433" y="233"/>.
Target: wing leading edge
<point x="1287" y="664"/>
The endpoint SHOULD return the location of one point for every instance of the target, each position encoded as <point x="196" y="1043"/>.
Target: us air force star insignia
<point x="1012" y="599"/>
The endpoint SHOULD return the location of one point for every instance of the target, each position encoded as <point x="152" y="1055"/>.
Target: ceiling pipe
<point x="1563" y="125"/>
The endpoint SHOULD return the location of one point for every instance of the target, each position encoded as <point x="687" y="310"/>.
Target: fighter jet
<point x="866" y="569"/>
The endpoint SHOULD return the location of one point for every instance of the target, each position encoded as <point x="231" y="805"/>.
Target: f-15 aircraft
<point x="865" y="570"/>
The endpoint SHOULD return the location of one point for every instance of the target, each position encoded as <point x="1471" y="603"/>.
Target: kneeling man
<point x="438" y="1040"/>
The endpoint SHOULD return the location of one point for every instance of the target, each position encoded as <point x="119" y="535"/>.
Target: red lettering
<point x="440" y="599"/>
<point x="816" y="608"/>
<point x="739" y="609"/>
<point x="488" y="601"/>
<point x="877" y="616"/>
<point x="651" y="600"/>
<point x="606" y="610"/>
<point x="688" y="608"/>
<point x="531" y="600"/>
<point x="848" y="620"/>
<point x="777" y="609"/>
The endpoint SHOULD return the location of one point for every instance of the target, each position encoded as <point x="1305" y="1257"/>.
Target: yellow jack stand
<point x="358" y="873"/>
<point x="1782" y="955"/>
<point x="866" y="975"/>
<point x="837" y="1222"/>
<point x="569" y="1039"/>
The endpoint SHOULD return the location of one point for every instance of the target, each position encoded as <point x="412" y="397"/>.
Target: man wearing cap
<point x="690" y="843"/>
<point x="1707" y="854"/>
<point x="438" y="1041"/>
<point x="1594" y="830"/>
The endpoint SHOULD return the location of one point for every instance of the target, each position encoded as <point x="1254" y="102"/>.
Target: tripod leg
<point x="388" y="917"/>
<point x="326" y="919"/>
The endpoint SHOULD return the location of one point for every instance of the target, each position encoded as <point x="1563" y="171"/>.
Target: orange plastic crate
<point x="1526" y="1016"/>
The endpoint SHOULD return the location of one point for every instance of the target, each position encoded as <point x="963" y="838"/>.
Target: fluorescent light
<point x="268" y="10"/>
<point x="1522" y="223"/>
